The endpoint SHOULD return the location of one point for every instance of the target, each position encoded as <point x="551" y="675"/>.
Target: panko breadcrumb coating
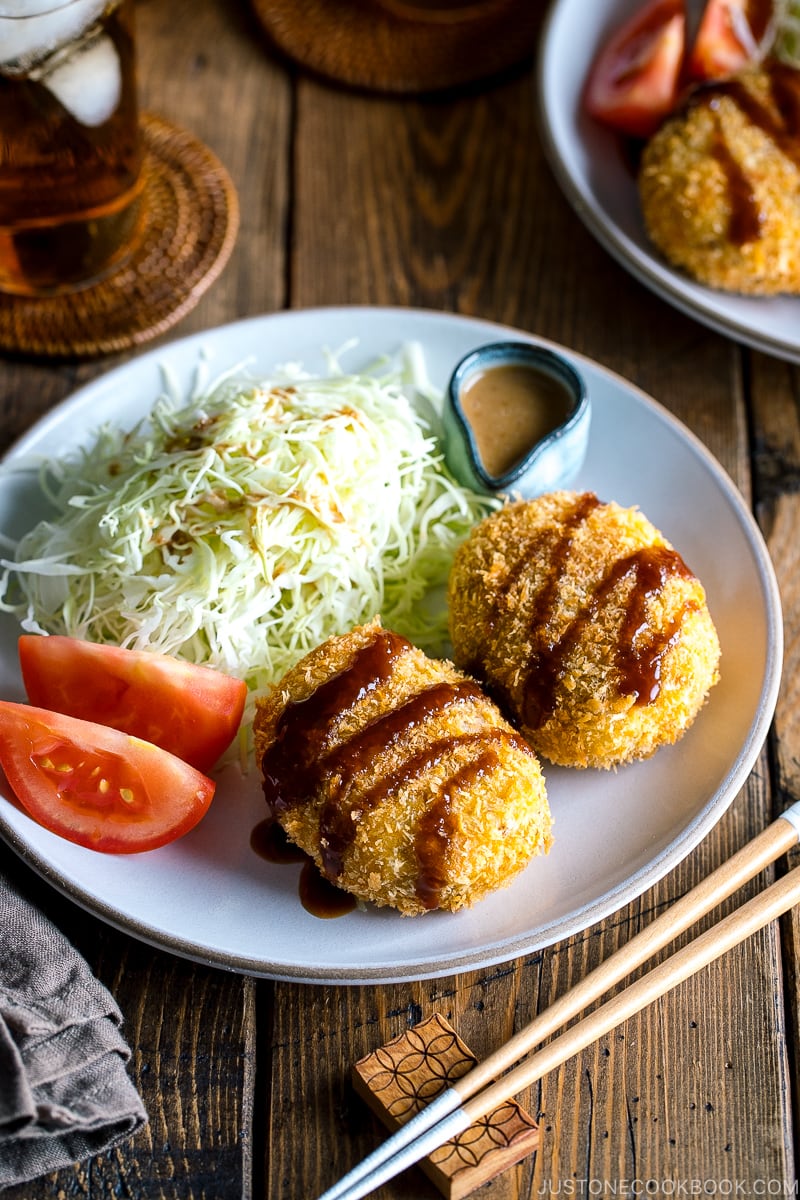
<point x="586" y="625"/>
<point x="719" y="183"/>
<point x="398" y="776"/>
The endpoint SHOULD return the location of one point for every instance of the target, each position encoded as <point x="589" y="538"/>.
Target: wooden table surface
<point x="447" y="202"/>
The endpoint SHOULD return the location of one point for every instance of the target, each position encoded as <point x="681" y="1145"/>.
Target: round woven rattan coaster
<point x="191" y="220"/>
<point x="402" y="46"/>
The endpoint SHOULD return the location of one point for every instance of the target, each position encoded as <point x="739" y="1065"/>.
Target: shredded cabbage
<point x="245" y="524"/>
<point x="787" y="41"/>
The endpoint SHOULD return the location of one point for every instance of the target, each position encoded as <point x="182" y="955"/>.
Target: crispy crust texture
<point x="463" y="757"/>
<point x="690" y="174"/>
<point x="529" y="590"/>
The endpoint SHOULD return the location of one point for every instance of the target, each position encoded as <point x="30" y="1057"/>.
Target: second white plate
<point x="211" y="898"/>
<point x="590" y="164"/>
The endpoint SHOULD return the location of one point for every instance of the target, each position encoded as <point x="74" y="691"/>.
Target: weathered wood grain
<point x="448" y="203"/>
<point x="425" y="208"/>
<point x="205" y="66"/>
<point x="192" y="1029"/>
<point x="776" y="424"/>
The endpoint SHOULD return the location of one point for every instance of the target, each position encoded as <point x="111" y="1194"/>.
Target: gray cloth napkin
<point x="65" y="1094"/>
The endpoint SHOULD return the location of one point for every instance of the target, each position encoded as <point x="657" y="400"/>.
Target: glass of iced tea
<point x="70" y="146"/>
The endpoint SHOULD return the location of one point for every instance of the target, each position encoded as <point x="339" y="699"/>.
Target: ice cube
<point x="89" y="83"/>
<point x="27" y="40"/>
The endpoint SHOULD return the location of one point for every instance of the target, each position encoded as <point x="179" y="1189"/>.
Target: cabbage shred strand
<point x="247" y="525"/>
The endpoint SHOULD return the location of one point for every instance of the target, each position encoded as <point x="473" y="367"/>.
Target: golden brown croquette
<point x="719" y="183"/>
<point x="398" y="776"/>
<point x="586" y="625"/>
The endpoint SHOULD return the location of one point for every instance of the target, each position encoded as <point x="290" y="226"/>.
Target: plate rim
<point x="653" y="273"/>
<point x="426" y="966"/>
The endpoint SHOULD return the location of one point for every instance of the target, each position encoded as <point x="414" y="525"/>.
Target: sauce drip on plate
<point x="317" y="895"/>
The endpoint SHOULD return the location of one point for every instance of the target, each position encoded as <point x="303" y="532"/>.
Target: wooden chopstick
<point x="709" y="946"/>
<point x="453" y="1111"/>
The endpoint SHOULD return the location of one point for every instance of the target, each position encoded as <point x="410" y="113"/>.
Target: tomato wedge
<point x="635" y="80"/>
<point x="192" y="711"/>
<point x="729" y="37"/>
<point x="96" y="786"/>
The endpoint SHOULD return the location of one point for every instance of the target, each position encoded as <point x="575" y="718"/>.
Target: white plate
<point x="209" y="897"/>
<point x="591" y="167"/>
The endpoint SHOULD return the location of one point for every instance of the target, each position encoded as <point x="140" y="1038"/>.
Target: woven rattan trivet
<point x="191" y="220"/>
<point x="392" y="46"/>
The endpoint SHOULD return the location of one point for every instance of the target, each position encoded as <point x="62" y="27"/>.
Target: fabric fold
<point x="65" y="1094"/>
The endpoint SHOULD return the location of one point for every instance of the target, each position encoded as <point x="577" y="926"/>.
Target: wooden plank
<point x="453" y="207"/>
<point x="204" y="66"/>
<point x="428" y="203"/>
<point x="685" y="1074"/>
<point x="776" y="386"/>
<point x="192" y="1028"/>
<point x="319" y="1126"/>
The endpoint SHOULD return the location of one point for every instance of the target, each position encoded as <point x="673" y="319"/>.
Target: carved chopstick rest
<point x="400" y="1078"/>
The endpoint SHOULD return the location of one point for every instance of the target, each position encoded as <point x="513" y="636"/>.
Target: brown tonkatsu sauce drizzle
<point x="337" y="828"/>
<point x="546" y="598"/>
<point x="747" y="219"/>
<point x="291" y="767"/>
<point x="556" y="554"/>
<point x="390" y="730"/>
<point x="317" y="895"/>
<point x="438" y="823"/>
<point x="637" y="657"/>
<point x="271" y="843"/>
<point x="320" y="897"/>
<point x="639" y="651"/>
<point x="302" y="759"/>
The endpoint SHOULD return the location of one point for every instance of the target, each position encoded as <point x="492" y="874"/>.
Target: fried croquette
<point x="585" y="625"/>
<point x="398" y="775"/>
<point x="719" y="183"/>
